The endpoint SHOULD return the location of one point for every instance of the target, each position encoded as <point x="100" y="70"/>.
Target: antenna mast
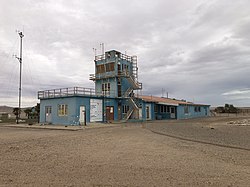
<point x="102" y="48"/>
<point x="20" y="77"/>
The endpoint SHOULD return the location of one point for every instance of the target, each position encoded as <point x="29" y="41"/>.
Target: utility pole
<point x="20" y="76"/>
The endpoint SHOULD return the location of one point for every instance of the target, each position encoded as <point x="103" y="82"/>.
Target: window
<point x="48" y="109"/>
<point x="107" y="67"/>
<point x="125" y="109"/>
<point x="119" y="87"/>
<point x="147" y="112"/>
<point x="125" y="68"/>
<point x="186" y="109"/>
<point x="117" y="55"/>
<point x="111" y="110"/>
<point x="197" y="109"/>
<point x="164" y="109"/>
<point x="62" y="110"/>
<point x="110" y="66"/>
<point x="108" y="55"/>
<point x="168" y="109"/>
<point x="156" y="108"/>
<point x="100" y="68"/>
<point x="106" y="88"/>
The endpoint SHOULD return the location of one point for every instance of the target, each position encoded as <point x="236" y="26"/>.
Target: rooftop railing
<point x="72" y="91"/>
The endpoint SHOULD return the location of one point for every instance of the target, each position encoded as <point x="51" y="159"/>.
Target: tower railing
<point x="133" y="81"/>
<point x="121" y="56"/>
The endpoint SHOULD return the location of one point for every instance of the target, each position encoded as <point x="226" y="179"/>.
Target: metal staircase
<point x="134" y="83"/>
<point x="133" y="103"/>
<point x="128" y="114"/>
<point x="128" y="92"/>
<point x="124" y="72"/>
<point x="133" y="107"/>
<point x="132" y="79"/>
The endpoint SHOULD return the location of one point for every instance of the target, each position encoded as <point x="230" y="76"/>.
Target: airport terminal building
<point x="115" y="98"/>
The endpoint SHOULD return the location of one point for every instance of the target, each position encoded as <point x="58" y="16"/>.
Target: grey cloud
<point x="195" y="50"/>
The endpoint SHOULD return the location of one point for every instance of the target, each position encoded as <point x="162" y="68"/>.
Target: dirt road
<point x="123" y="156"/>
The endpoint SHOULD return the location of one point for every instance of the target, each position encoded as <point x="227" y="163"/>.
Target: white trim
<point x="171" y="104"/>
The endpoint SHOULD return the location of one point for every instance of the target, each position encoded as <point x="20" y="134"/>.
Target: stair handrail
<point x="134" y="104"/>
<point x="135" y="82"/>
<point x="128" y="91"/>
<point x="128" y="114"/>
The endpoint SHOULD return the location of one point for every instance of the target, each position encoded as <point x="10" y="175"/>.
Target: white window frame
<point x="125" y="109"/>
<point x="164" y="109"/>
<point x="62" y="110"/>
<point x="106" y="88"/>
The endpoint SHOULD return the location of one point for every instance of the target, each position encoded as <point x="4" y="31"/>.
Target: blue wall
<point x="179" y="112"/>
<point x="70" y="101"/>
<point x="74" y="104"/>
<point x="114" y="80"/>
<point x="204" y="112"/>
<point x="144" y="110"/>
<point x="113" y="86"/>
<point x="161" y="115"/>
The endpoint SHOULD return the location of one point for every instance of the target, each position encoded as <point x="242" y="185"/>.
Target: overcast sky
<point x="197" y="50"/>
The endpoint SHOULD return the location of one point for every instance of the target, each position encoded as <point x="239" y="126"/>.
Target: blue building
<point x="115" y="97"/>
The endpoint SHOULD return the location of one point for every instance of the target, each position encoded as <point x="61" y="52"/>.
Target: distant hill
<point x="9" y="110"/>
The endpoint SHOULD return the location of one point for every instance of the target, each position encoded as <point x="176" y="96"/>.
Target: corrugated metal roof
<point x="166" y="101"/>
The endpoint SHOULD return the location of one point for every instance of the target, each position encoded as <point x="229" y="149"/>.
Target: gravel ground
<point x="129" y="155"/>
<point x="215" y="130"/>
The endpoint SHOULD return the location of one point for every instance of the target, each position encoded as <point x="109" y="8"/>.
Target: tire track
<point x="198" y="141"/>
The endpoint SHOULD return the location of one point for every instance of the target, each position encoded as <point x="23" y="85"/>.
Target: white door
<point x="48" y="110"/>
<point x="82" y="118"/>
<point x="172" y="112"/>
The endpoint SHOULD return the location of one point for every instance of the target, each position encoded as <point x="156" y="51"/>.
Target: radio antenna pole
<point x="20" y="75"/>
